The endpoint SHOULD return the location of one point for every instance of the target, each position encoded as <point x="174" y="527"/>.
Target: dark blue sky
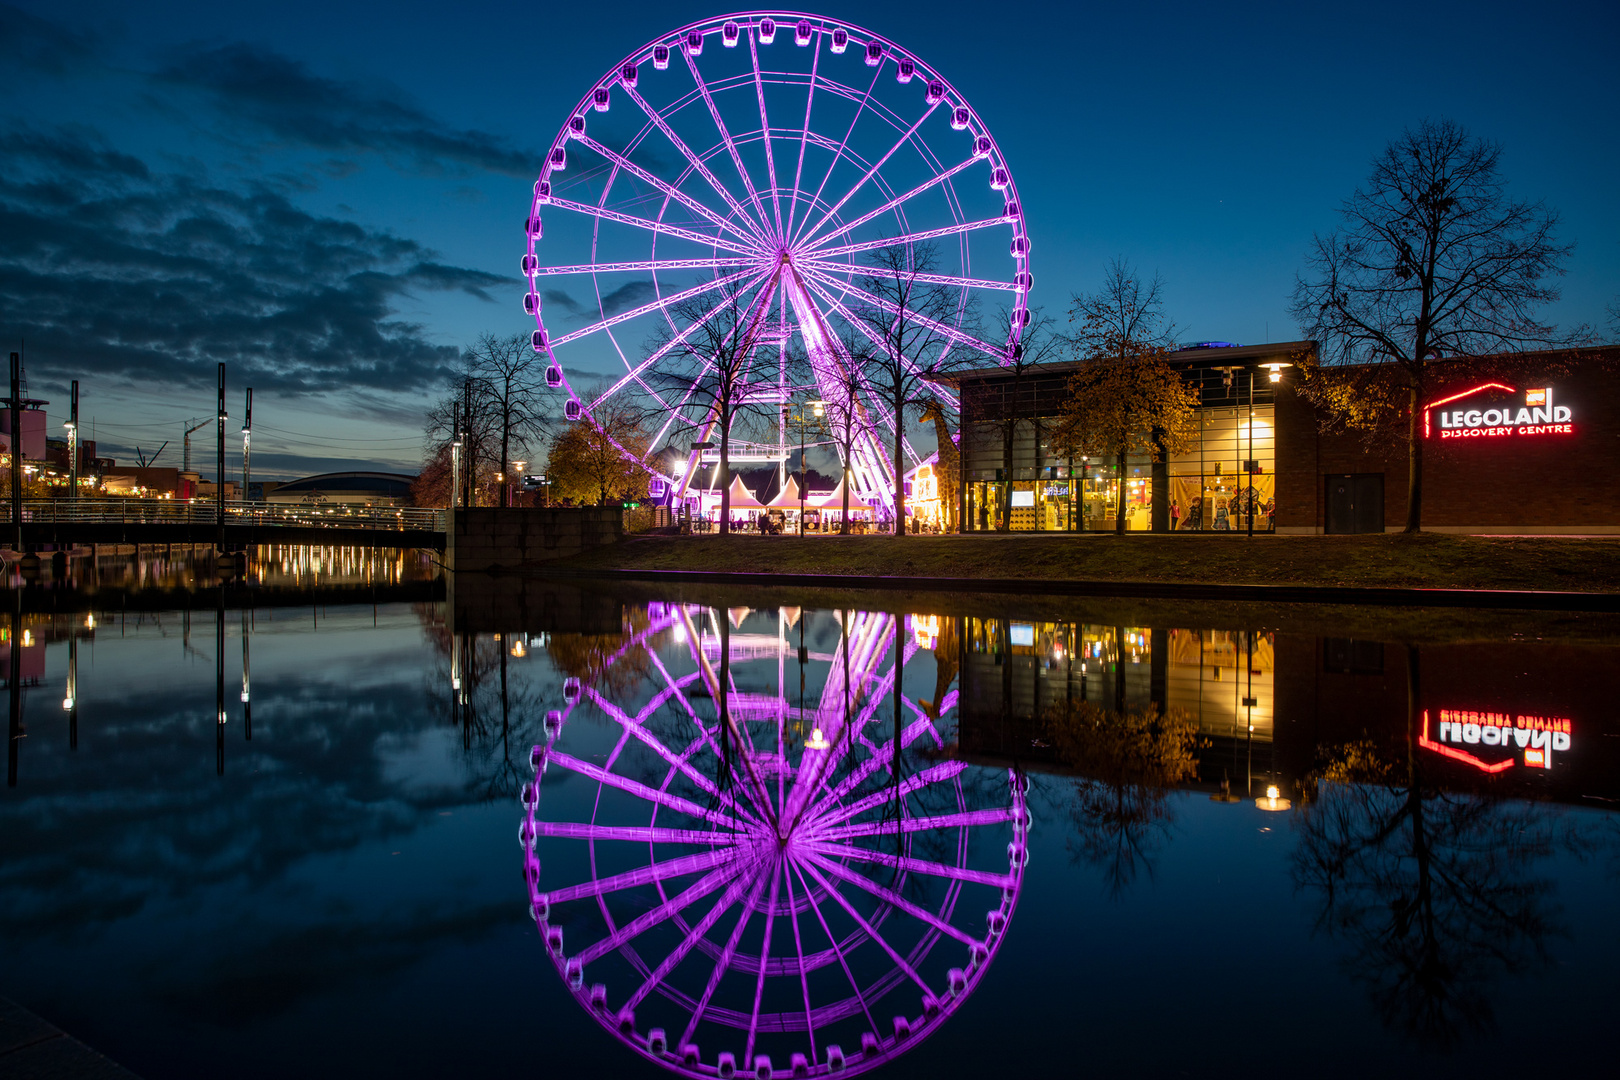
<point x="329" y="196"/>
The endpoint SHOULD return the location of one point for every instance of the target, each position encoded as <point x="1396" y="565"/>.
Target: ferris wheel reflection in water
<point x="760" y="880"/>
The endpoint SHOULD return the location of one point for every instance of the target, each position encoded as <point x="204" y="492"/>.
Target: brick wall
<point x="488" y="538"/>
<point x="1532" y="483"/>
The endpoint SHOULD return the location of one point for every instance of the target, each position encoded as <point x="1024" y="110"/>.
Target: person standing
<point x="1175" y="515"/>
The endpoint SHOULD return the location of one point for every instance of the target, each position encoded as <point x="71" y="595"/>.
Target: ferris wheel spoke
<point x="692" y="158"/>
<point x="635" y="374"/>
<point x="961" y="819"/>
<point x="889" y="896"/>
<point x="643" y="791"/>
<point x="663" y="912"/>
<point x="723" y="963"/>
<point x="818" y="266"/>
<point x="634" y="834"/>
<point x="801" y="967"/>
<point x="655" y="305"/>
<point x="838" y="155"/>
<point x="668" y="189"/>
<point x="859" y="184"/>
<point x="649" y="266"/>
<point x="878" y="939"/>
<point x="759" y="812"/>
<point x="653" y="226"/>
<point x="765" y="133"/>
<point x="643" y="875"/>
<point x="889" y="307"/>
<point x="689" y="941"/>
<point x="804" y="138"/>
<point x="725" y="136"/>
<point x="633" y="726"/>
<point x="905" y="238"/>
<point x="944" y="770"/>
<point x="912" y="865"/>
<point x="926" y="185"/>
<point x="764" y="956"/>
<point x="838" y="949"/>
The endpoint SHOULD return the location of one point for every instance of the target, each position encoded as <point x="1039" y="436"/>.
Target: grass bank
<point x="1387" y="561"/>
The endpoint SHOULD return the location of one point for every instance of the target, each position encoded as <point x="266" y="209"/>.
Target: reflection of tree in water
<point x="1434" y="893"/>
<point x="600" y="660"/>
<point x="1127" y="761"/>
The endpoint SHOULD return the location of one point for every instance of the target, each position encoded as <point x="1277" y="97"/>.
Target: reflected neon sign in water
<point x="1466" y="734"/>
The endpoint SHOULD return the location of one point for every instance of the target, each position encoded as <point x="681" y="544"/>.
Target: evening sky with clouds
<point x="329" y="196"/>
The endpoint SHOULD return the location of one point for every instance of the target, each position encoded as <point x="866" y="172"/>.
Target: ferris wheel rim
<point x="742" y="232"/>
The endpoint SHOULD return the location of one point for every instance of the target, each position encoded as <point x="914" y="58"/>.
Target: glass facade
<point x="1224" y="680"/>
<point x="1229" y="475"/>
<point x="1226" y="476"/>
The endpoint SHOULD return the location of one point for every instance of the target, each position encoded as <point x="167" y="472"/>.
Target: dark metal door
<point x="1355" y="503"/>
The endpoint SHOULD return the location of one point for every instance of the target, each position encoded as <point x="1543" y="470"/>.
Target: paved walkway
<point x="32" y="1049"/>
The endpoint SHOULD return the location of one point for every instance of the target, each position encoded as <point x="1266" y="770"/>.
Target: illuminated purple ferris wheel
<point x="754" y="164"/>
<point x="751" y="885"/>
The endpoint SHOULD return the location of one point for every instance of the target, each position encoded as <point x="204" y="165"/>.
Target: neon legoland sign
<point x="1466" y="734"/>
<point x="1494" y="417"/>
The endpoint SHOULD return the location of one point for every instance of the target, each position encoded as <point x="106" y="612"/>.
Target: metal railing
<point x="237" y="512"/>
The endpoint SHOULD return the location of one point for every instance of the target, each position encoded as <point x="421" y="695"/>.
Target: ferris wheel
<point x="727" y="899"/>
<point x="735" y="181"/>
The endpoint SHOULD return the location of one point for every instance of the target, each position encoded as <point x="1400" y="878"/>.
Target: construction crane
<point x="186" y="455"/>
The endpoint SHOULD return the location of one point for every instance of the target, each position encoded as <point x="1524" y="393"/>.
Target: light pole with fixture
<point x="517" y="472"/>
<point x="72" y="426"/>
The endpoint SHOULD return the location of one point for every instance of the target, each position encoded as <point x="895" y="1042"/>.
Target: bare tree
<point x="509" y="369"/>
<point x="1433" y="260"/>
<point x="845" y="417"/>
<point x="468" y="408"/>
<point x="712" y="368"/>
<point x="1125" y="397"/>
<point x="905" y="315"/>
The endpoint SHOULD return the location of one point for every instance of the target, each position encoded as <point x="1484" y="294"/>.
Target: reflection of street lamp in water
<point x="1272" y="800"/>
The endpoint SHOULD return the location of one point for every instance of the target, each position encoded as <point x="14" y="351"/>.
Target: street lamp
<point x="517" y="471"/>
<point x="819" y="410"/>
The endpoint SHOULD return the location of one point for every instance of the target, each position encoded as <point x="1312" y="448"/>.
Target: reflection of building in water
<point x="1012" y="672"/>
<point x="1266" y="705"/>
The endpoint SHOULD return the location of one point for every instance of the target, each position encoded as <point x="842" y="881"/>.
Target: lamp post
<point x="455" y="466"/>
<point x="219" y="501"/>
<point x="73" y="442"/>
<point x="517" y="471"/>
<point x="247" y="438"/>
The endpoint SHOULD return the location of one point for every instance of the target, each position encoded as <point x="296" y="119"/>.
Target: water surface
<point x="269" y="837"/>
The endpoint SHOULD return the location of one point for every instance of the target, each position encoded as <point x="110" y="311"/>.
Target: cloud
<point x="150" y="279"/>
<point x="35" y="44"/>
<point x="619" y="300"/>
<point x="253" y="85"/>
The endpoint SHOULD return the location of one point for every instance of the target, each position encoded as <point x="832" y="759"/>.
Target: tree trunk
<point x="1414" y="460"/>
<point x="849" y="456"/>
<point x="1119" y="505"/>
<point x="506" y="437"/>
<point x="1009" y="435"/>
<point x="899" y="467"/>
<point x="725" y="476"/>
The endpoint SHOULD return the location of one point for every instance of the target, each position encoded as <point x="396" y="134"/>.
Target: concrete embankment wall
<point x="488" y="538"/>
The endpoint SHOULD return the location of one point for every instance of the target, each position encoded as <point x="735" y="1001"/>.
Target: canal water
<point x="349" y="819"/>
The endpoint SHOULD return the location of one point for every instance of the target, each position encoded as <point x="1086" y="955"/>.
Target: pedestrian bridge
<point x="68" y="523"/>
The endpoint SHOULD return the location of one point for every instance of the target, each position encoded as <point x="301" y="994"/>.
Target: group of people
<point x="1225" y="514"/>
